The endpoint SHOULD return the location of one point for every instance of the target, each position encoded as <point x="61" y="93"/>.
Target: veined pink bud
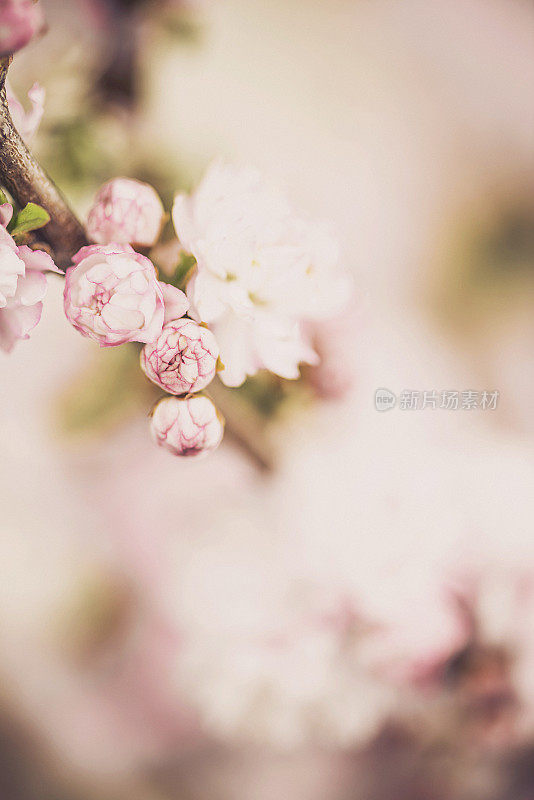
<point x="113" y="296"/>
<point x="182" y="359"/>
<point x="187" y="426"/>
<point x="126" y="211"/>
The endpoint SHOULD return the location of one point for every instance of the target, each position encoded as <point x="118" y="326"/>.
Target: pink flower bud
<point x="113" y="296"/>
<point x="20" y="20"/>
<point x="183" y="358"/>
<point x="126" y="211"/>
<point x="187" y="426"/>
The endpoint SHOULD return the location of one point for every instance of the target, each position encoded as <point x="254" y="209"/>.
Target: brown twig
<point x="244" y="426"/>
<point x="27" y="182"/>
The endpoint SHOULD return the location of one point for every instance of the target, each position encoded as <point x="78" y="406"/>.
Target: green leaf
<point x="30" y="218"/>
<point x="3" y="198"/>
<point x="184" y="270"/>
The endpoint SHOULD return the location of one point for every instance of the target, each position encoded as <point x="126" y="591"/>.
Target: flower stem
<point x="243" y="427"/>
<point x="27" y="182"/>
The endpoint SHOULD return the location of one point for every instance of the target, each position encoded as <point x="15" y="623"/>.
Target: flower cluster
<point x="113" y="295"/>
<point x="259" y="279"/>
<point x="260" y="276"/>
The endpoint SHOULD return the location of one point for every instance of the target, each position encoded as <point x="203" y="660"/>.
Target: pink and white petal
<point x="235" y="339"/>
<point x="175" y="302"/>
<point x="5" y="238"/>
<point x="31" y="289"/>
<point x="36" y="96"/>
<point x="153" y="330"/>
<point x="11" y="269"/>
<point x="16" y="109"/>
<point x="27" y="122"/>
<point x="6" y="212"/>
<point x="183" y="221"/>
<point x="37" y="260"/>
<point x="97" y="249"/>
<point x="16" y="323"/>
<point x="281" y="351"/>
<point x="122" y="319"/>
<point x="203" y="292"/>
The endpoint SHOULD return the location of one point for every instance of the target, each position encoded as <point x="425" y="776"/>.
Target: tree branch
<point x="27" y="182"/>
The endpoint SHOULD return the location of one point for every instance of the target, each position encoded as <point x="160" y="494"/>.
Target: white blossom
<point x="261" y="272"/>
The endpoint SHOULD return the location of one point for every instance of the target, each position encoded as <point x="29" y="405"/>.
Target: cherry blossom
<point x="261" y="272"/>
<point x="190" y="427"/>
<point x="113" y="296"/>
<point x="182" y="359"/>
<point x="125" y="211"/>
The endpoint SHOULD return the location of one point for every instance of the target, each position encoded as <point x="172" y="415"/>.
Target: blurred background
<point x="339" y="603"/>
